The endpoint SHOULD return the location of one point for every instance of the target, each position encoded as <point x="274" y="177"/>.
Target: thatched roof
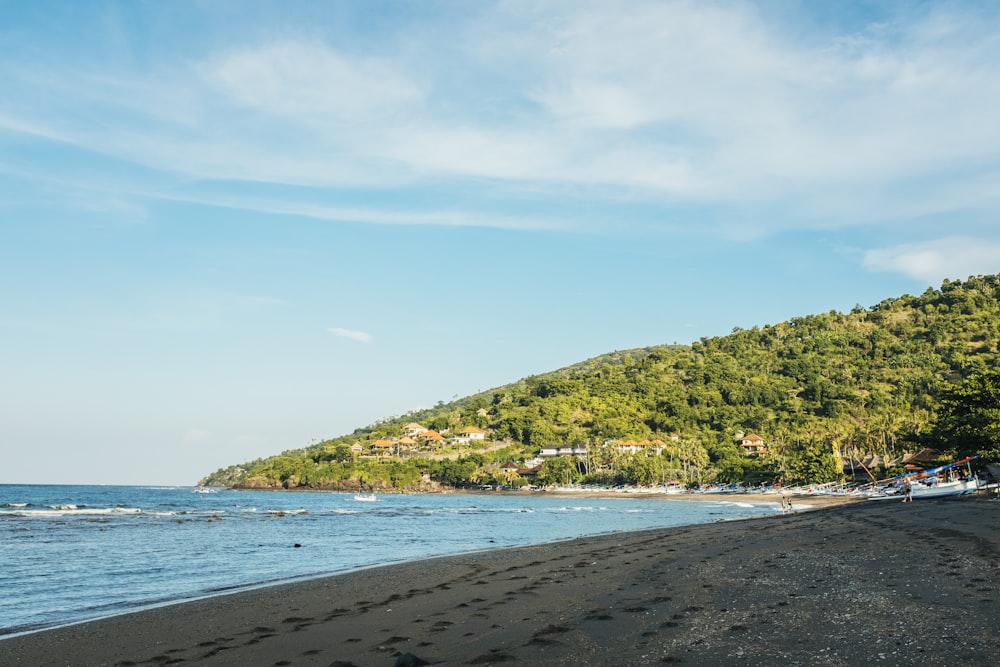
<point x="925" y="455"/>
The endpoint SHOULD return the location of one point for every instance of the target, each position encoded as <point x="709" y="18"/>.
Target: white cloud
<point x="310" y="80"/>
<point x="953" y="257"/>
<point x="350" y="334"/>
<point x="32" y="128"/>
<point x="676" y="103"/>
<point x="598" y="104"/>
<point x="443" y="218"/>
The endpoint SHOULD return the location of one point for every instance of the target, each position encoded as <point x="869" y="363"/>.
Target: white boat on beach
<point x="365" y="497"/>
<point x="958" y="487"/>
<point x="928" y="485"/>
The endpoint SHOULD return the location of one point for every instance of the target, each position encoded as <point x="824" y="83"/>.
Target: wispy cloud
<point x="351" y="334"/>
<point x="311" y="82"/>
<point x="370" y="215"/>
<point x="933" y="261"/>
<point x="716" y="105"/>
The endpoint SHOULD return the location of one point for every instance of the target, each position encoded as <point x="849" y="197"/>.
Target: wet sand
<point x="881" y="583"/>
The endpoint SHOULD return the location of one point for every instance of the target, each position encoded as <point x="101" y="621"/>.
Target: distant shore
<point x="800" y="499"/>
<point x="857" y="583"/>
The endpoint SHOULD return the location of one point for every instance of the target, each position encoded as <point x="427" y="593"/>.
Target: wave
<point x="71" y="510"/>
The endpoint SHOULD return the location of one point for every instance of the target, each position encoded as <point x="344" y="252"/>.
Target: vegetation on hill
<point x="898" y="376"/>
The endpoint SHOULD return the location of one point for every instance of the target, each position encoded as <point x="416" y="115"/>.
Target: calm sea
<point x="71" y="553"/>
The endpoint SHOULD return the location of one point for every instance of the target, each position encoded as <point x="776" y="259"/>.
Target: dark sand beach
<point x="881" y="583"/>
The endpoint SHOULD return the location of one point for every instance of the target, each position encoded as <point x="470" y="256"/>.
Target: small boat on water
<point x="365" y="497"/>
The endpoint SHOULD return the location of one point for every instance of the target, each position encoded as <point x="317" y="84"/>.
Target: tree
<point x="641" y="469"/>
<point x="559" y="470"/>
<point x="456" y="473"/>
<point x="342" y="453"/>
<point x="969" y="421"/>
<point x="813" y="463"/>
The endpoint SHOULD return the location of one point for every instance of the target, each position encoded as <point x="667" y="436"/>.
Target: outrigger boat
<point x="926" y="484"/>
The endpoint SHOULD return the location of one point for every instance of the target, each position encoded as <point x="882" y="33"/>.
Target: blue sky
<point x="228" y="229"/>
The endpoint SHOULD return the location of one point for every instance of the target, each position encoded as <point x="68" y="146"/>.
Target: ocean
<point x="74" y="553"/>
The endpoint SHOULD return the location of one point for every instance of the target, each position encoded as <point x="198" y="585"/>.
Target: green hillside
<point x="868" y="382"/>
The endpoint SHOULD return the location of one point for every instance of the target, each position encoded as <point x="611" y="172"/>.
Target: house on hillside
<point x="470" y="434"/>
<point x="430" y="436"/>
<point x="551" y="452"/>
<point x="414" y="429"/>
<point x="383" y="447"/>
<point x="528" y="470"/>
<point x="752" y="444"/>
<point x="636" y="446"/>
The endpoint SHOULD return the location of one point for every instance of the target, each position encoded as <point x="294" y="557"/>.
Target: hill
<point x="816" y="389"/>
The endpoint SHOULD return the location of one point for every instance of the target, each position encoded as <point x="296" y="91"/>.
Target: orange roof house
<point x="470" y="433"/>
<point x="383" y="444"/>
<point x="752" y="444"/>
<point x="414" y="429"/>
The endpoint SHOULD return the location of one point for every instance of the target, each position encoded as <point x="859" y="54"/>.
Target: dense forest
<point x="820" y="390"/>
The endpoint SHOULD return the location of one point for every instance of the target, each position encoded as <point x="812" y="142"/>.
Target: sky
<point x="229" y="229"/>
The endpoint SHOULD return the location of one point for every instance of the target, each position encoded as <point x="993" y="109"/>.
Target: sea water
<point x="73" y="553"/>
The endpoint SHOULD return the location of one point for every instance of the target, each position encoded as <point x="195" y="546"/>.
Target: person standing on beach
<point x="907" y="489"/>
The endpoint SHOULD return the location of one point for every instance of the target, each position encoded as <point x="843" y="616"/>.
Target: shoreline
<point x="758" y="500"/>
<point x="897" y="583"/>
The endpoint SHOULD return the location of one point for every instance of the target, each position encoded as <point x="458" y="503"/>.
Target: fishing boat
<point x="365" y="497"/>
<point x="927" y="484"/>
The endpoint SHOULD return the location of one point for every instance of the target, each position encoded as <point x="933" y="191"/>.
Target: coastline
<point x="822" y="500"/>
<point x="854" y="583"/>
